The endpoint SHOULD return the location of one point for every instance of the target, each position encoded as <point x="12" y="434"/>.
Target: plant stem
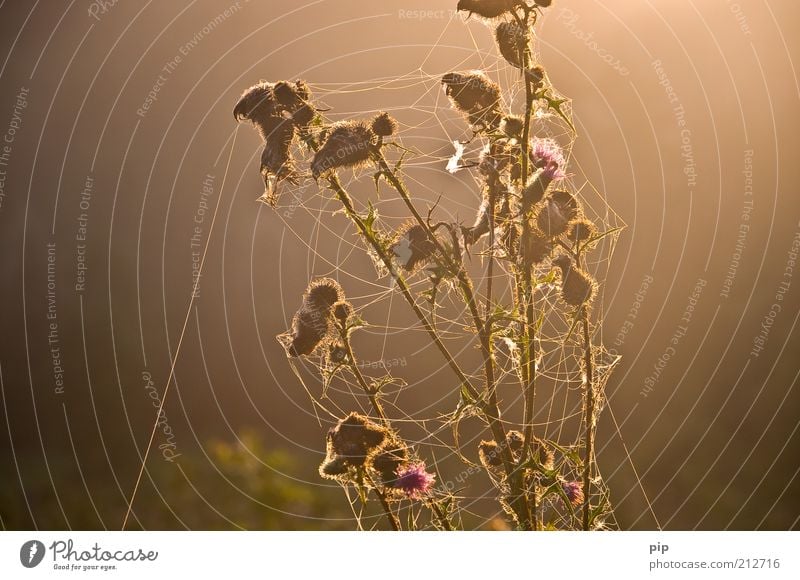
<point x="518" y="502"/>
<point x="393" y="520"/>
<point x="529" y="373"/>
<point x="344" y="198"/>
<point x="369" y="391"/>
<point x="440" y="515"/>
<point x="588" y="361"/>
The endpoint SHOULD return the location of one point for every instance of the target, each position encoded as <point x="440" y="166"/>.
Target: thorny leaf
<point x="555" y="105"/>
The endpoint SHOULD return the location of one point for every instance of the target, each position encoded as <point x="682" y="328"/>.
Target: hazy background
<point x="714" y="443"/>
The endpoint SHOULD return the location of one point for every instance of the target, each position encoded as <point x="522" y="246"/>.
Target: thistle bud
<point x="384" y="125"/>
<point x="311" y="325"/>
<point x="348" y="145"/>
<point x="388" y="461"/>
<point x="577" y="287"/>
<point x="581" y="230"/>
<point x="557" y="211"/>
<point x="488" y="8"/>
<point x="515" y="441"/>
<point x="355" y="438"/>
<point x="476" y="96"/>
<point x="574" y="492"/>
<point x="333" y="468"/>
<point x="512" y="40"/>
<point x="536" y="76"/>
<point x="512" y="126"/>
<point x="309" y="330"/>
<point x="539" y="249"/>
<point x="490" y="455"/>
<point x="543" y="454"/>
<point x="342" y="311"/>
<point x="323" y="294"/>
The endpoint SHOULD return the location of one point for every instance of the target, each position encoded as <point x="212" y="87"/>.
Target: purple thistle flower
<point x="574" y="492"/>
<point x="413" y="480"/>
<point x="547" y="154"/>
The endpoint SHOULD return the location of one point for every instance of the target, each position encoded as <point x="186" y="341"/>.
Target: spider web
<point x="560" y="375"/>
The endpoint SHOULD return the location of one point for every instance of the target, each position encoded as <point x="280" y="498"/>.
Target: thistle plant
<point x="531" y="307"/>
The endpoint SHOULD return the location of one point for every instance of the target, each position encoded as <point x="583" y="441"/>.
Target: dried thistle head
<point x="275" y="110"/>
<point x="490" y="455"/>
<point x="543" y="3"/>
<point x="309" y="330"/>
<point x="334" y="468"/>
<point x="384" y="125"/>
<point x="412" y="248"/>
<point x="276" y="159"/>
<point x="388" y="461"/>
<point x="577" y="286"/>
<point x="476" y="96"/>
<point x="356" y="438"/>
<point x="496" y="157"/>
<point x="543" y="454"/>
<point x="556" y="212"/>
<point x="348" y="145"/>
<point x="312" y="324"/>
<point x="322" y="294"/>
<point x="581" y="230"/>
<point x="512" y="40"/>
<point x="536" y="75"/>
<point x="295" y="99"/>
<point x="515" y="440"/>
<point x="259" y="106"/>
<point x="342" y="311"/>
<point x="488" y="8"/>
<point x="538" y="249"/>
<point x="512" y="126"/>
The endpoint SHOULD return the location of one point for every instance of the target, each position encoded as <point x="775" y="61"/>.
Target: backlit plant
<point x="533" y="314"/>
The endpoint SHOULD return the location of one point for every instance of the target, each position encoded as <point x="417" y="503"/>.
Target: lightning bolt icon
<point x="34" y="549"/>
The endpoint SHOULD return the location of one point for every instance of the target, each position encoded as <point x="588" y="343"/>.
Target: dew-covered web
<point x="432" y="428"/>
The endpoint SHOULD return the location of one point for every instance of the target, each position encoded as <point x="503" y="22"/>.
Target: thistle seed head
<point x="577" y="287"/>
<point x="490" y="455"/>
<point x="348" y="145"/>
<point x="387" y="462"/>
<point x="581" y="230"/>
<point x="556" y="212"/>
<point x="512" y="40"/>
<point x="342" y="311"/>
<point x="512" y="126"/>
<point x="476" y="96"/>
<point x="384" y="125"/>
<point x="355" y="438"/>
<point x="515" y="440"/>
<point x="488" y="8"/>
<point x="322" y="294"/>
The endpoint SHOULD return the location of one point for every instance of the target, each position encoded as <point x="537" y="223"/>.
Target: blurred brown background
<point x="680" y="108"/>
